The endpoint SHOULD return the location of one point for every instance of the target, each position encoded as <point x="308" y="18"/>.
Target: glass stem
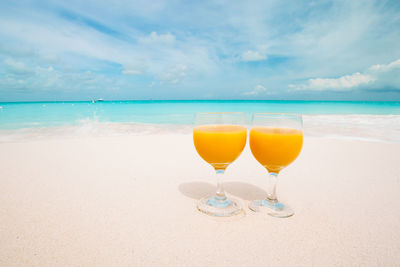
<point x="220" y="194"/>
<point x="271" y="187"/>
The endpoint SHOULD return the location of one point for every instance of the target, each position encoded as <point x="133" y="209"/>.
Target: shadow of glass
<point x="198" y="190"/>
<point x="244" y="190"/>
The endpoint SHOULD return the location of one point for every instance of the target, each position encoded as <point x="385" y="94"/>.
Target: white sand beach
<point x="130" y="201"/>
<point x="101" y="103"/>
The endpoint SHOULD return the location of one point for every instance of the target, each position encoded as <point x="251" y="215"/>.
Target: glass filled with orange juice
<point x="219" y="139"/>
<point x="275" y="141"/>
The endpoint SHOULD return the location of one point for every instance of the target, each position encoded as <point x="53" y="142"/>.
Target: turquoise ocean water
<point x="379" y="121"/>
<point x="45" y="114"/>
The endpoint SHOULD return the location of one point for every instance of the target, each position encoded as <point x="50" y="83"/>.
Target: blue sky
<point x="127" y="49"/>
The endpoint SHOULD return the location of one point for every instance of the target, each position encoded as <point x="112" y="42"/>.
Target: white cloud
<point x="132" y="72"/>
<point x="155" y="38"/>
<point x="51" y="80"/>
<point x="345" y="82"/>
<point x="175" y="74"/>
<point x="375" y="77"/>
<point x="256" y="55"/>
<point x="383" y="67"/>
<point x="330" y="42"/>
<point x="17" y="67"/>
<point x="135" y="67"/>
<point x="16" y="50"/>
<point x="73" y="44"/>
<point x="256" y="91"/>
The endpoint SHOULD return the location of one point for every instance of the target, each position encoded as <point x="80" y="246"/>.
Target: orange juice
<point x="219" y="145"/>
<point x="275" y="148"/>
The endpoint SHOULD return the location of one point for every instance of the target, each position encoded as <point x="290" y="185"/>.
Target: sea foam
<point x="385" y="128"/>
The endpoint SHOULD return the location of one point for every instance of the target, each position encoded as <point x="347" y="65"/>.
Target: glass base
<point x="271" y="207"/>
<point x="219" y="207"/>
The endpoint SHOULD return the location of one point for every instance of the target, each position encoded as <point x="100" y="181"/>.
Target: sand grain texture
<point x="130" y="200"/>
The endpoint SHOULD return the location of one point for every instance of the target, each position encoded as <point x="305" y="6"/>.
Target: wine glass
<point x="219" y="139"/>
<point x="275" y="141"/>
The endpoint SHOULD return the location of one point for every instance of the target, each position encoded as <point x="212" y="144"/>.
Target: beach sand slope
<point x="130" y="200"/>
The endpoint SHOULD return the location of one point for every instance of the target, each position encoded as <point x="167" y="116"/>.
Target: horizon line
<point x="188" y="100"/>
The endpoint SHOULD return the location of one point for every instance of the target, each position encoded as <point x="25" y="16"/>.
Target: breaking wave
<point x="384" y="128"/>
